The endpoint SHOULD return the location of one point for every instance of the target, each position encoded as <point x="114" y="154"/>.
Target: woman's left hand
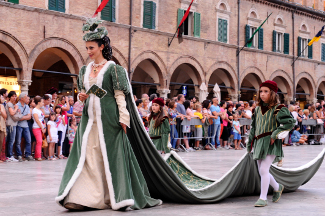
<point x="272" y="141"/>
<point x="124" y="127"/>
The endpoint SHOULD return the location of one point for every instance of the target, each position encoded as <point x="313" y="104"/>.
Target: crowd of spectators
<point x="37" y="128"/>
<point x="43" y="127"/>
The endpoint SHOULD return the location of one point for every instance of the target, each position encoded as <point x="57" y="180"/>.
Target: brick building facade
<point x="46" y="35"/>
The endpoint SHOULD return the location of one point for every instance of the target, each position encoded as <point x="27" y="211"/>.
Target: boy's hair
<point x="37" y="99"/>
<point x="274" y="99"/>
<point x="198" y="106"/>
<point x="296" y="127"/>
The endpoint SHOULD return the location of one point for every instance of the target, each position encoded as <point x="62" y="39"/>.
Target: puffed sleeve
<point x="120" y="80"/>
<point x="121" y="103"/>
<point x="286" y="121"/>
<point x="252" y="132"/>
<point x="165" y="130"/>
<point x="80" y="79"/>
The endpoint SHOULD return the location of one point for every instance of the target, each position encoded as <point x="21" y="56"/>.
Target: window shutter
<point x="180" y="14"/>
<point x="153" y="15"/>
<point x="61" y="5"/>
<point x="220" y="28"/>
<point x="113" y="10"/>
<point x="14" y="1"/>
<point x="106" y="12"/>
<point x="274" y="41"/>
<point x="197" y="24"/>
<point x="52" y="5"/>
<point x="247" y="28"/>
<point x="224" y="32"/>
<point x="260" y="39"/>
<point x="299" y="46"/>
<point x="310" y="50"/>
<point x="286" y="43"/>
<point x="147" y="14"/>
<point x="323" y="52"/>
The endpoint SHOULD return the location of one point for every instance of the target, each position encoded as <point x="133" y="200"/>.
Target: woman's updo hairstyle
<point x="107" y="51"/>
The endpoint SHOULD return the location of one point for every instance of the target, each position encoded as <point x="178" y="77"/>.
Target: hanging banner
<point x="10" y="83"/>
<point x="184" y="90"/>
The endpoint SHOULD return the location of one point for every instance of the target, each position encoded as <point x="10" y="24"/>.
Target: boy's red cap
<point x="271" y="85"/>
<point x="159" y="101"/>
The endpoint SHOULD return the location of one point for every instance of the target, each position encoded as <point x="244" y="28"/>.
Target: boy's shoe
<point x="260" y="203"/>
<point x="30" y="158"/>
<point x="190" y="149"/>
<point x="277" y="194"/>
<point x="20" y="158"/>
<point x="12" y="159"/>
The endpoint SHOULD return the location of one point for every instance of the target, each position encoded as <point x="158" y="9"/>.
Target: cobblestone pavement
<point x="29" y="188"/>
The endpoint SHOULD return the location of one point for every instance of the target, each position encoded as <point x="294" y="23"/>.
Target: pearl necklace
<point x="96" y="66"/>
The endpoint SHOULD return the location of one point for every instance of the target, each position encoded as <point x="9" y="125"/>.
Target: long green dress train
<point x="125" y="183"/>
<point x="168" y="178"/>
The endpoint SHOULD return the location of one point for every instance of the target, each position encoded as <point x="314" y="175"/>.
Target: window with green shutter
<point x="299" y="46"/>
<point x="260" y="39"/>
<point x="274" y="41"/>
<point x="286" y="43"/>
<point x="180" y="14"/>
<point x="310" y="50"/>
<point x="149" y="14"/>
<point x="57" y="5"/>
<point x="323" y="52"/>
<point x="247" y="33"/>
<point x="14" y="1"/>
<point x="197" y="24"/>
<point x="222" y="30"/>
<point x="109" y="11"/>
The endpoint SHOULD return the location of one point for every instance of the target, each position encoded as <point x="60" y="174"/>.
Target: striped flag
<point x="101" y="7"/>
<point x="317" y="37"/>
<point x="181" y="24"/>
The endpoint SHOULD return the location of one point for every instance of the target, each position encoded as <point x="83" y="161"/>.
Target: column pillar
<point x="163" y="92"/>
<point x="24" y="85"/>
<point x="287" y="99"/>
<point x="233" y="97"/>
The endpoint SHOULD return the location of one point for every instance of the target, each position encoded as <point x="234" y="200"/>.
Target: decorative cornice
<point x="223" y="11"/>
<point x="189" y="2"/>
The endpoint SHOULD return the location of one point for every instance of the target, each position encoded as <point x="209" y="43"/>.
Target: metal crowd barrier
<point x="244" y="122"/>
<point x="313" y="126"/>
<point x="187" y="135"/>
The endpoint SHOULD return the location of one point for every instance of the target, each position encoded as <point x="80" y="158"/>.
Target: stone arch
<point x="186" y="69"/>
<point x="223" y="5"/>
<point x="232" y="77"/>
<point x="15" y="51"/>
<point x="252" y="70"/>
<point x="306" y="81"/>
<point x="285" y="83"/>
<point x="120" y="57"/>
<point x="190" y="61"/>
<point x="72" y="56"/>
<point x="156" y="60"/>
<point x="148" y="74"/>
<point x="321" y="85"/>
<point x="222" y="73"/>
